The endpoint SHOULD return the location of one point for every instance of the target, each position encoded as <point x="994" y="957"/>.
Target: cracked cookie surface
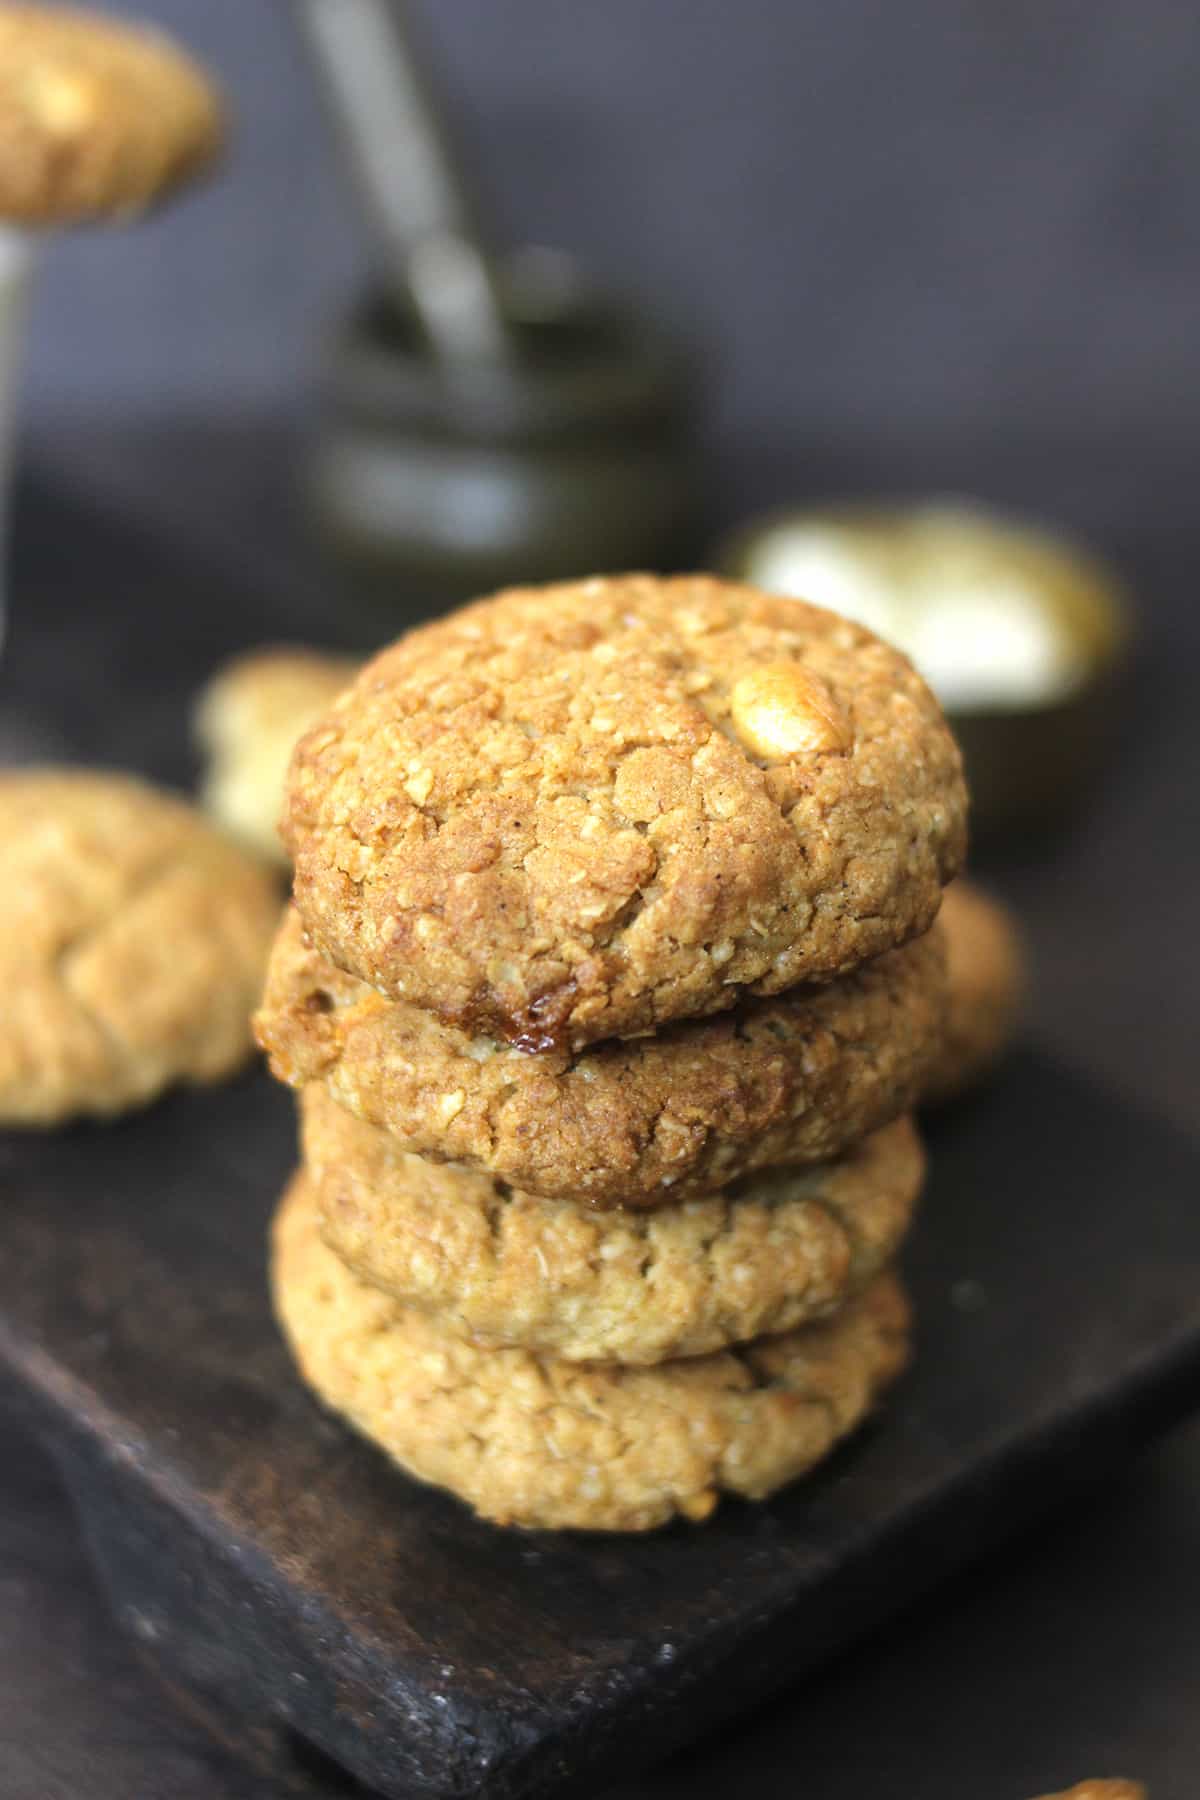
<point x="534" y="1441"/>
<point x="133" y="940"/>
<point x="247" y="722"/>
<point x="985" y="981"/>
<point x="502" y="1267"/>
<point x="583" y="811"/>
<point x="97" y="117"/>
<point x="638" y="1123"/>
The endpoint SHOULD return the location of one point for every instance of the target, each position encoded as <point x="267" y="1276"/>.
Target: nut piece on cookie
<point x="986" y="981"/>
<point x="584" y="811"/>
<point x="133" y="940"/>
<point x="497" y="1266"/>
<point x="533" y="1441"/>
<point x="248" y="719"/>
<point x="643" y="1122"/>
<point x="781" y="711"/>
<point x="1102" y="1790"/>
<point x="98" y="118"/>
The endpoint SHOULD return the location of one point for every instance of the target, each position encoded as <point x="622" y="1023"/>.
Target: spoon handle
<point x="408" y="179"/>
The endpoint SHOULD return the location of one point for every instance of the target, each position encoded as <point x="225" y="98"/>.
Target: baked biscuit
<point x="986" y="979"/>
<point x="1102" y="1790"/>
<point x="247" y="723"/>
<point x="133" y="940"/>
<point x="583" y="811"/>
<point x="776" y="1251"/>
<point x="97" y="118"/>
<point x="636" y="1123"/>
<point x="534" y="1441"/>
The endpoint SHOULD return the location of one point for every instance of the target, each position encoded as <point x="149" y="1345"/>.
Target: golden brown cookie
<point x="529" y="1440"/>
<point x="133" y="939"/>
<point x="1102" y="1790"/>
<point x="579" y="812"/>
<point x="986" y="974"/>
<point x="247" y="722"/>
<point x="97" y="118"/>
<point x="636" y="1123"/>
<point x="775" y="1251"/>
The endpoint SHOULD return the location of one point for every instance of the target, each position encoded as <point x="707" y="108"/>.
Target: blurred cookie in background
<point x="247" y="722"/>
<point x="98" y="118"/>
<point x="133" y="941"/>
<point x="1102" y="1790"/>
<point x="986" y="975"/>
<point x="99" y="121"/>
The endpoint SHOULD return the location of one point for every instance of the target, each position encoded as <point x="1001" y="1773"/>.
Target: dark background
<point x="948" y="246"/>
<point x="911" y="242"/>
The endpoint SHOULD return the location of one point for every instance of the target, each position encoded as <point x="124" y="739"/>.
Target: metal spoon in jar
<point x="413" y="192"/>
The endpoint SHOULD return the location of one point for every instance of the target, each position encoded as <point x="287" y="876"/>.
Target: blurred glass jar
<point x="17" y="259"/>
<point x="435" y="483"/>
<point x="1020" y="633"/>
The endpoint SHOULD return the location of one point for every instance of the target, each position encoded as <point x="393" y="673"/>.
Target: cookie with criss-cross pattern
<point x="502" y="1267"/>
<point x="98" y="118"/>
<point x="133" y="939"/>
<point x="535" y="1441"/>
<point x="640" y="1122"/>
<point x="584" y="811"/>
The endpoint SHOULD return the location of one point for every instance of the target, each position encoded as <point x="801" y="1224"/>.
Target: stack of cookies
<point x="607" y="988"/>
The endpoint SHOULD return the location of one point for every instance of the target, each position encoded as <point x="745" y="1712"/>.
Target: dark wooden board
<point x="286" y="1575"/>
<point x="287" y="1580"/>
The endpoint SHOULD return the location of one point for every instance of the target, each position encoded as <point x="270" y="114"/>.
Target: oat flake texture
<point x="583" y="811"/>
<point x="639" y="1122"/>
<point x="533" y="1441"/>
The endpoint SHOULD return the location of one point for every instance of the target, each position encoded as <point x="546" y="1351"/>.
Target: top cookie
<point x="97" y="118"/>
<point x="133" y="940"/>
<point x="247" y="723"/>
<point x="578" y="812"/>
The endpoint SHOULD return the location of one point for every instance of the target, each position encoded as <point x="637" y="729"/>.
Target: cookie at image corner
<point x="642" y="1122"/>
<point x="583" y="811"/>
<point x="99" y="118"/>
<point x="133" y="942"/>
<point x="537" y="1442"/>
<point x="496" y="1266"/>
<point x="1101" y="1790"/>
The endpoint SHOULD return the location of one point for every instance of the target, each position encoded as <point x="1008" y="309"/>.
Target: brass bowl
<point x="1024" y="634"/>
